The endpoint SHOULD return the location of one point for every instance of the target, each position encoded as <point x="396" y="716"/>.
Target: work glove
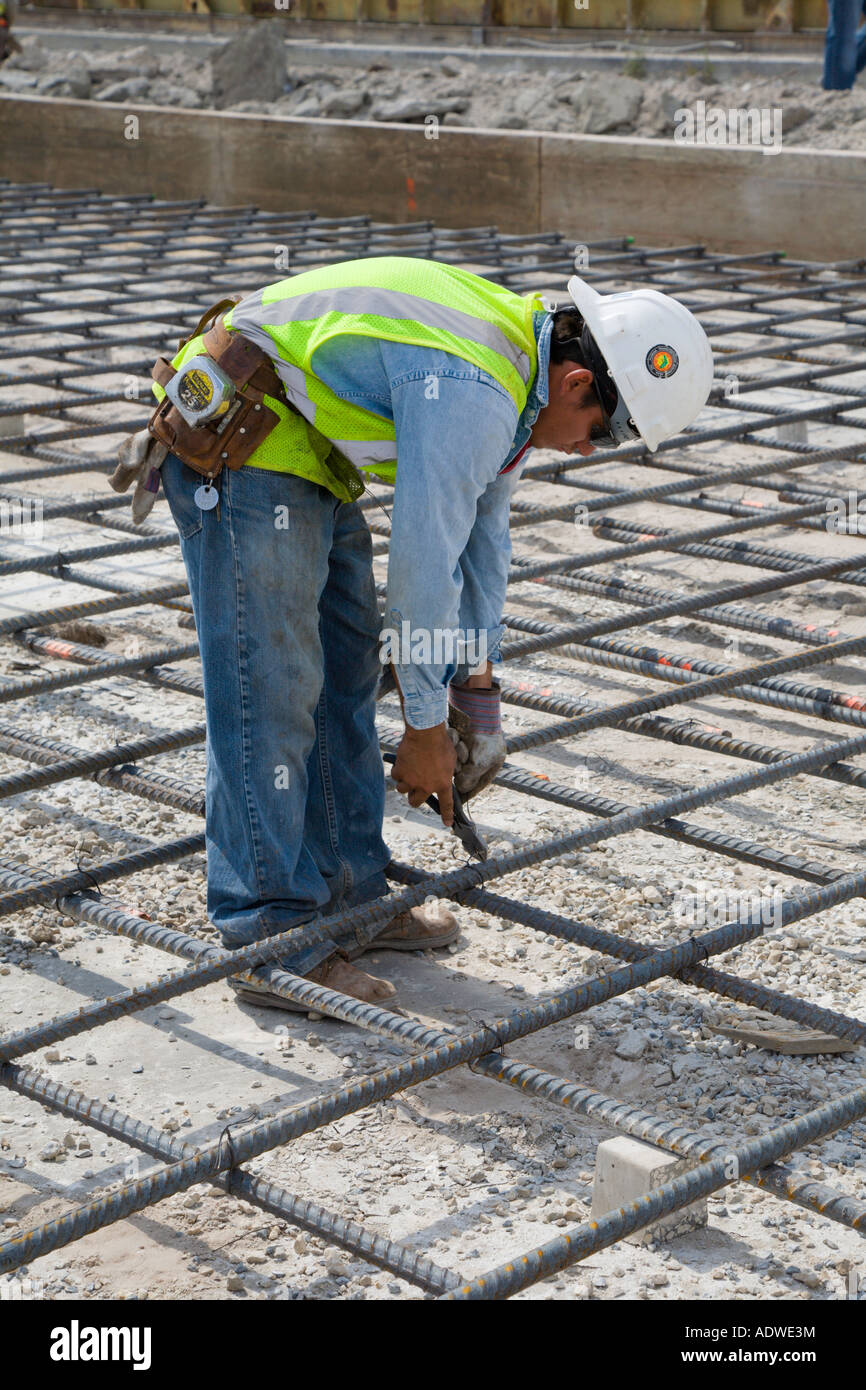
<point x="140" y="459"/>
<point x="475" y="728"/>
<point x="387" y="684"/>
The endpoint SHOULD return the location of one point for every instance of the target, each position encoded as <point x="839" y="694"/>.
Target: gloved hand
<point x="475" y="728"/>
<point x="141" y="457"/>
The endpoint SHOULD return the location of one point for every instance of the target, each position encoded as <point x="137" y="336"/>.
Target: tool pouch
<point x="229" y="440"/>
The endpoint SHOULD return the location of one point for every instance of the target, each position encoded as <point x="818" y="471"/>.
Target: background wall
<point x="810" y="203"/>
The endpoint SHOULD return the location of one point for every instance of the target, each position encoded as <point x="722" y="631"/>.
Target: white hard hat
<point x="657" y="356"/>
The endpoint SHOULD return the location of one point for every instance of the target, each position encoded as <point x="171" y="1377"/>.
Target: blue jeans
<point x="844" y="48"/>
<point x="285" y="607"/>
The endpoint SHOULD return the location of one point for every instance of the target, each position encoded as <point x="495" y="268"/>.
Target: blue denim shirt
<point x="456" y="429"/>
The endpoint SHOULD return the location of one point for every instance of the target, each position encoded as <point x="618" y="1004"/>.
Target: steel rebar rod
<point x="366" y="921"/>
<point x="781" y="1182"/>
<point x="678" y="731"/>
<point x="756" y="556"/>
<point x="67" y="650"/>
<point x="469" y="1046"/>
<point x="698" y="1182"/>
<point x="90" y="607"/>
<point x="102" y="670"/>
<point x="87" y="763"/>
<point x="709" y="1175"/>
<point x="709" y="685"/>
<point x="50" y="889"/>
<point x="689" y="603"/>
<point x="817" y="701"/>
<point x="650" y="542"/>
<point x="724" y="615"/>
<point x="377" y="1250"/>
<point x="60" y="558"/>
<point x="714" y="981"/>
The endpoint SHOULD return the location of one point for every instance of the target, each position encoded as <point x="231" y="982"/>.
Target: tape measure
<point x="200" y="390"/>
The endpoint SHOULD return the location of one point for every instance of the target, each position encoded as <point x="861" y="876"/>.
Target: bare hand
<point x="424" y="766"/>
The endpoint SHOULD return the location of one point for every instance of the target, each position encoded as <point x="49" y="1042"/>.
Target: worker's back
<point x="402" y="299"/>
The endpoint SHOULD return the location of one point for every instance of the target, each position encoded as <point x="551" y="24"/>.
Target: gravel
<point x="250" y="73"/>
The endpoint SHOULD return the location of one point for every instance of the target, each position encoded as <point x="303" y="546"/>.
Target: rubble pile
<point x="252" y="73"/>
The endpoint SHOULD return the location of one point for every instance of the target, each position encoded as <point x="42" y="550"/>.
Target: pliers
<point x="463" y="826"/>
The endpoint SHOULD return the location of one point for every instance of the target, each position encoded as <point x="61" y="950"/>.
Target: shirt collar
<point x="538" y="395"/>
<point x="537" y="398"/>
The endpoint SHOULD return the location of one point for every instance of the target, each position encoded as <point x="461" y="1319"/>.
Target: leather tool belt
<point x="229" y="440"/>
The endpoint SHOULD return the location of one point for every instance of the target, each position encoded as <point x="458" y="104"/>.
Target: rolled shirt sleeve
<point x="450" y="550"/>
<point x="484" y="565"/>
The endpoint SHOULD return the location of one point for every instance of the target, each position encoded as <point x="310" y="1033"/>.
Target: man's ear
<point x="576" y="378"/>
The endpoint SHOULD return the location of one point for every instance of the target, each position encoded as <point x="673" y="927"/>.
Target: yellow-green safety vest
<point x="397" y="298"/>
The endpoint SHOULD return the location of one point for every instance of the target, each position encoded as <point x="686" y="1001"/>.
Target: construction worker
<point x="844" y="44"/>
<point x="439" y="381"/>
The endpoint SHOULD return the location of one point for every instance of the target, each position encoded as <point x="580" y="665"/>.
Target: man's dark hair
<point x="565" y="346"/>
<point x="565" y="341"/>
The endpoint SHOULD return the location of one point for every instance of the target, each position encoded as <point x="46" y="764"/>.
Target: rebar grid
<point x="110" y="283"/>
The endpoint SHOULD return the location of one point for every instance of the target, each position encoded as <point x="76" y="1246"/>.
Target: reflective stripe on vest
<point x="399" y="299"/>
<point x="375" y="302"/>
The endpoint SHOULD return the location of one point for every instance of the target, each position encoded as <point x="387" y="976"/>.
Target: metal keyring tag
<point x="206" y="497"/>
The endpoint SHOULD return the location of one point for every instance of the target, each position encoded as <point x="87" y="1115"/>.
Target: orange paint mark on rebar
<point x="546" y="691"/>
<point x="833" y="631"/>
<point x="410" y="190"/>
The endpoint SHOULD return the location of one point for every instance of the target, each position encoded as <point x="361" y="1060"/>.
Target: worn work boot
<point x="419" y="929"/>
<point x="334" y="973"/>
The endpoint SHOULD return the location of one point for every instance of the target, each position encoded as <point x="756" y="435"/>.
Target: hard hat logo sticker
<point x="662" y="361"/>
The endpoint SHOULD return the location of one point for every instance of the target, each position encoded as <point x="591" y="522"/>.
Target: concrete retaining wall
<point x="810" y="203"/>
